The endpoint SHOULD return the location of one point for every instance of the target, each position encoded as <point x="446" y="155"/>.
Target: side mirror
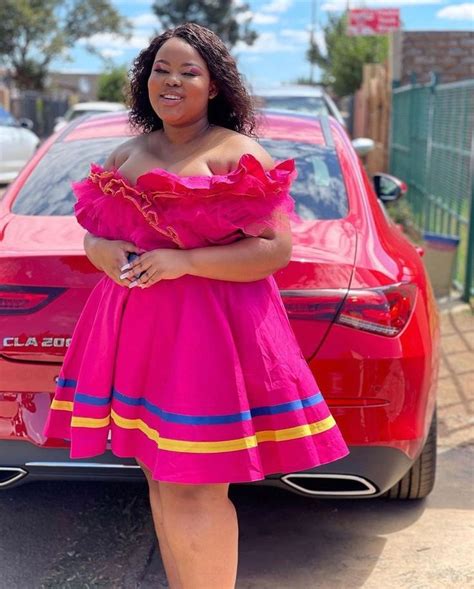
<point x="363" y="145"/>
<point x="26" y="123"/>
<point x="388" y="188"/>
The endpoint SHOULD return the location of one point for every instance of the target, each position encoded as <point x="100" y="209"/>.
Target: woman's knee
<point x="153" y="485"/>
<point x="178" y="494"/>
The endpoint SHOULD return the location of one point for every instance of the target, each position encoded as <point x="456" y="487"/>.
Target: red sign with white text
<point x="366" y="21"/>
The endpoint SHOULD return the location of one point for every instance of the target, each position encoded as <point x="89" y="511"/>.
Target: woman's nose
<point x="172" y="80"/>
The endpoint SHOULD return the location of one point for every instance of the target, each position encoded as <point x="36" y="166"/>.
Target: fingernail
<point x="126" y="267"/>
<point x="132" y="284"/>
<point x="122" y="276"/>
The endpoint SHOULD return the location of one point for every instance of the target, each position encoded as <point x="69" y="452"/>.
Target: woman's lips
<point x="171" y="101"/>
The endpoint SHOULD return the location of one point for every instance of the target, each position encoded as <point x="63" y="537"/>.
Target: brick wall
<point x="448" y="53"/>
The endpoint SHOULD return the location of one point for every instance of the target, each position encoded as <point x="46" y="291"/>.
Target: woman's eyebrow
<point x="185" y="63"/>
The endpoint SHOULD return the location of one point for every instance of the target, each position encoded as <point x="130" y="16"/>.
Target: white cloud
<point x="296" y="35"/>
<point x="111" y="41"/>
<point x="257" y="18"/>
<point x="140" y="2"/>
<point x="458" y="12"/>
<point x="266" y="43"/>
<point x="277" y="6"/>
<point x="111" y="52"/>
<point x="339" y="5"/>
<point x="321" y="42"/>
<point x="303" y="37"/>
<point x="148" y="19"/>
<point x="264" y="19"/>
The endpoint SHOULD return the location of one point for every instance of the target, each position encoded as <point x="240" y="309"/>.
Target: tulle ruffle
<point x="194" y="210"/>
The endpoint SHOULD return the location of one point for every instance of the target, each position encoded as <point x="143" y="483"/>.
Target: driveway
<point x="84" y="535"/>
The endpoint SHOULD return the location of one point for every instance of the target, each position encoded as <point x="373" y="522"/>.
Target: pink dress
<point x="200" y="379"/>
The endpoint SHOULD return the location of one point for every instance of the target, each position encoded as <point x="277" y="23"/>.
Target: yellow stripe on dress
<point x="62" y="405"/>
<point x="292" y="433"/>
<point x="246" y="443"/>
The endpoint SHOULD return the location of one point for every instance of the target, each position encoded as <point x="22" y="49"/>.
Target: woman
<point x="186" y="354"/>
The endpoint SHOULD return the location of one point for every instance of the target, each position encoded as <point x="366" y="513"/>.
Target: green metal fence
<point x="432" y="149"/>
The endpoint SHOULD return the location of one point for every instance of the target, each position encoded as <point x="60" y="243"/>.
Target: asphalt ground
<point x="85" y="535"/>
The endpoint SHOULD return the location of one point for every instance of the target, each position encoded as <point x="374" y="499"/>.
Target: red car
<point x="355" y="291"/>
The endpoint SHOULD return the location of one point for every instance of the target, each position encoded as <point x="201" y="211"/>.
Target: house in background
<point x="81" y="86"/>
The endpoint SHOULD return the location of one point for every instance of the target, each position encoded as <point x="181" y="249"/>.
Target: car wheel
<point x="419" y="480"/>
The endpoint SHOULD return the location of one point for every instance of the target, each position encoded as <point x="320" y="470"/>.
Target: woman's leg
<point x="201" y="527"/>
<point x="167" y="557"/>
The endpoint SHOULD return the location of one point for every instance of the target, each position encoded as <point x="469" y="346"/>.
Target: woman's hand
<point x="159" y="264"/>
<point x="109" y="256"/>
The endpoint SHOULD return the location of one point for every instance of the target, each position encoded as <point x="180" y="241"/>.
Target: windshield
<point x="313" y="104"/>
<point x="319" y="189"/>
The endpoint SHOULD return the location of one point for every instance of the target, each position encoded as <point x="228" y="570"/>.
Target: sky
<point x="278" y="55"/>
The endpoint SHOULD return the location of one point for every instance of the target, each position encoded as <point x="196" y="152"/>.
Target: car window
<point x="311" y="104"/>
<point x="318" y="190"/>
<point x="47" y="191"/>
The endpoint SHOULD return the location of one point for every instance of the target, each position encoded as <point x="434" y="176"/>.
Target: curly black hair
<point x="232" y="108"/>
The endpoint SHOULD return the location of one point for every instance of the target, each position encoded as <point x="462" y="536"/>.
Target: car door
<point x="15" y="148"/>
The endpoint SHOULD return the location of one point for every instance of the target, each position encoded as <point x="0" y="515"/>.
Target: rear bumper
<point x="367" y="471"/>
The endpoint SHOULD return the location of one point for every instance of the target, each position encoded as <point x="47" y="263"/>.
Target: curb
<point x="453" y="304"/>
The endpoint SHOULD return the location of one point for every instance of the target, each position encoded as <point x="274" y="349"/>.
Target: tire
<point x="419" y="480"/>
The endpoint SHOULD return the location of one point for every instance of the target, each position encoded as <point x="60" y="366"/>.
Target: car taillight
<point x="317" y="305"/>
<point x="384" y="310"/>
<point x="20" y="300"/>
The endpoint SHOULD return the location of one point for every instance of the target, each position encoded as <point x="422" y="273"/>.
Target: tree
<point x="227" y="19"/>
<point x="112" y="85"/>
<point x="342" y="64"/>
<point x="34" y="32"/>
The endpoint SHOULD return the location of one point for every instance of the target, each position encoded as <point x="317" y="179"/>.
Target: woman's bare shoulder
<point x="234" y="145"/>
<point x="122" y="152"/>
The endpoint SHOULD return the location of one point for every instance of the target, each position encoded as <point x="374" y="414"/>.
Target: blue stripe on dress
<point x="90" y="400"/>
<point x="198" y="419"/>
<point x="66" y="383"/>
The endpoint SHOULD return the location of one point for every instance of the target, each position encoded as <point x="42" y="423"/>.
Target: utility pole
<point x="312" y="40"/>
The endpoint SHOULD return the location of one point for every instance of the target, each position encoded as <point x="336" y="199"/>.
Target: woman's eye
<point x="189" y="74"/>
<point x="161" y="72"/>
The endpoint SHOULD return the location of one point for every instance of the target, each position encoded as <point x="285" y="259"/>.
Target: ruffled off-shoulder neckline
<point x="248" y="167"/>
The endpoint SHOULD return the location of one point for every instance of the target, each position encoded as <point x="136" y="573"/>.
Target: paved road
<point x="84" y="535"/>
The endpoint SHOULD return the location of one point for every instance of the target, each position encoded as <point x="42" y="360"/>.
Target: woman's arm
<point x="249" y="259"/>
<point x="246" y="260"/>
<point x="109" y="255"/>
<point x="90" y="247"/>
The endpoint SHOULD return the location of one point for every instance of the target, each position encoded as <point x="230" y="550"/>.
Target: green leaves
<point x="34" y="32"/>
<point x="112" y="85"/>
<point x="342" y="65"/>
<point x="224" y="17"/>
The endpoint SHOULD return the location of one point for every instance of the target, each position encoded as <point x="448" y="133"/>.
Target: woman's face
<point x="179" y="85"/>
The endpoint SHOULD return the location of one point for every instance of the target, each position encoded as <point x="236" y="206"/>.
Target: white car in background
<point x="307" y="99"/>
<point x="299" y="98"/>
<point x="17" y="144"/>
<point x="87" y="108"/>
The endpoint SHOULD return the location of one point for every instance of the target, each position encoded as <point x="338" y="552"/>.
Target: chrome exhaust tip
<point x="343" y="485"/>
<point x="10" y="475"/>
